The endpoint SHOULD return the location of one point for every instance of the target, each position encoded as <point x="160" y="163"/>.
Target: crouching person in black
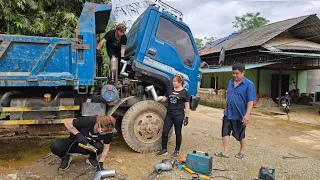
<point x="97" y="131"/>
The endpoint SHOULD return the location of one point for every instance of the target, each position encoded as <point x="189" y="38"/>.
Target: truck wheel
<point x="142" y="126"/>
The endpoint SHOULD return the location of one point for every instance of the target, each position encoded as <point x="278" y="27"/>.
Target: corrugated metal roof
<point x="293" y="54"/>
<point x="229" y="68"/>
<point x="291" y="43"/>
<point x="300" y="27"/>
<point x="296" y="48"/>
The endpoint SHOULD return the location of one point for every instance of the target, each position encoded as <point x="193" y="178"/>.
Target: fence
<point x="212" y="98"/>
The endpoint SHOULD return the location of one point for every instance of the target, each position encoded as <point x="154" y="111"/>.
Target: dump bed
<point x="27" y="60"/>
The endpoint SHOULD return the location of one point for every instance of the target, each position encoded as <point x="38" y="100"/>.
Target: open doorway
<point x="214" y="82"/>
<point x="275" y="85"/>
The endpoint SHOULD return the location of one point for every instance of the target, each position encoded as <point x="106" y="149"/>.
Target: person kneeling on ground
<point x="85" y="130"/>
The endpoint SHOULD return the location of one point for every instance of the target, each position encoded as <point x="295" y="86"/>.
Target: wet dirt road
<point x="292" y="149"/>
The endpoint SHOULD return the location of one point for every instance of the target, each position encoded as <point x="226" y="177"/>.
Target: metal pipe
<point x="122" y="72"/>
<point x="153" y="93"/>
<point x="112" y="76"/>
<point x="162" y="167"/>
<point x="104" y="174"/>
<point x="113" y="67"/>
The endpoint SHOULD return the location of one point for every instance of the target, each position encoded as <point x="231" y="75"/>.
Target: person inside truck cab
<point x="115" y="42"/>
<point x="95" y="131"/>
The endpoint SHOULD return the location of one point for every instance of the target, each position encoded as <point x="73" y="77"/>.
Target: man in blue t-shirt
<point x="239" y="103"/>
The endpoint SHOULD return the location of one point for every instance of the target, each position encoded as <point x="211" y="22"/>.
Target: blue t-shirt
<point x="238" y="99"/>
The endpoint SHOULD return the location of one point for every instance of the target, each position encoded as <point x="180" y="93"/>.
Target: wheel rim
<point x="148" y="127"/>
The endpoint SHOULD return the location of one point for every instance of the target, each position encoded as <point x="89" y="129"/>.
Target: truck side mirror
<point x="204" y="64"/>
<point x="222" y="56"/>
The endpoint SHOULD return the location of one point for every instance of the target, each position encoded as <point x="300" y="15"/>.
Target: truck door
<point x="172" y="47"/>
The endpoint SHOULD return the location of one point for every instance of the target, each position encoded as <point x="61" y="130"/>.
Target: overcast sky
<point x="214" y="18"/>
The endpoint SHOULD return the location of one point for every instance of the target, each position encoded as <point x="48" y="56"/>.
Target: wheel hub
<point x="148" y="127"/>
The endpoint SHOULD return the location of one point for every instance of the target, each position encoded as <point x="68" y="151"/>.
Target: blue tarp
<point x="217" y="42"/>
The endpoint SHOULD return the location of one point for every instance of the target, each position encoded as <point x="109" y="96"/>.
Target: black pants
<point x="170" y="120"/>
<point x="60" y="147"/>
<point x="235" y="127"/>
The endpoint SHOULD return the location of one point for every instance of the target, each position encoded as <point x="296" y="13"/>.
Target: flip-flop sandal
<point x="220" y="154"/>
<point x="239" y="155"/>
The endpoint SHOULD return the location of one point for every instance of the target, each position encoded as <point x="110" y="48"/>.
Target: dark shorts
<point x="235" y="126"/>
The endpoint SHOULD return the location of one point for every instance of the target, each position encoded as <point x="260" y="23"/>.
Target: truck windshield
<point x="178" y="38"/>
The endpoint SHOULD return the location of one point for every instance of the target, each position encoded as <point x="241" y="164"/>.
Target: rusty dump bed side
<point x="36" y="61"/>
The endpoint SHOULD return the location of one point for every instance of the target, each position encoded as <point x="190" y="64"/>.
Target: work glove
<point x="186" y="121"/>
<point x="81" y="139"/>
<point x="100" y="166"/>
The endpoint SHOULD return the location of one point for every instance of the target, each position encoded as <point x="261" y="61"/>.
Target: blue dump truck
<point x="48" y="80"/>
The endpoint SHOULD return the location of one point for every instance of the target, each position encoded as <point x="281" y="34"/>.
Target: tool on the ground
<point x="88" y="147"/>
<point x="104" y="174"/>
<point x="199" y="161"/>
<point x="183" y="159"/>
<point x="192" y="172"/>
<point x="196" y="177"/>
<point x="266" y="173"/>
<point x="165" y="165"/>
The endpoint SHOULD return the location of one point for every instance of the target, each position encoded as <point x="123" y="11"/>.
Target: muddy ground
<point x="293" y="149"/>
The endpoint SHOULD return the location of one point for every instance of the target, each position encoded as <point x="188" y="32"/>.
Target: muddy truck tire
<point x="142" y="126"/>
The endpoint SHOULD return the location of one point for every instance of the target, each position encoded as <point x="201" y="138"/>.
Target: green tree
<point x="53" y="18"/>
<point x="249" y="21"/>
<point x="105" y="58"/>
<point x="39" y="17"/>
<point x="204" y="42"/>
<point x="199" y="42"/>
<point x="209" y="40"/>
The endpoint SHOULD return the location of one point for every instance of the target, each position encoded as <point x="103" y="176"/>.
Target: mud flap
<point x="115" y="107"/>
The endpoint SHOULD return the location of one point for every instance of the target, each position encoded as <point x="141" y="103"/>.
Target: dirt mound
<point x="266" y="102"/>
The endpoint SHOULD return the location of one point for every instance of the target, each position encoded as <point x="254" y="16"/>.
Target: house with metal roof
<point x="277" y="56"/>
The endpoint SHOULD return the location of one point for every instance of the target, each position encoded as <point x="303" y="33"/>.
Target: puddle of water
<point x="19" y="153"/>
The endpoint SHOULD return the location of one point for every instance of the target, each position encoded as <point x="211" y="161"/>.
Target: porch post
<point x="215" y="81"/>
<point x="258" y="82"/>
<point x="280" y="82"/>
<point x="297" y="78"/>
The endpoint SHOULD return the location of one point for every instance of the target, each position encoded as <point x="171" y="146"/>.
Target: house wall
<point x="224" y="78"/>
<point x="265" y="79"/>
<point x="266" y="75"/>
<point x="313" y="80"/>
<point x="205" y="82"/>
<point x="302" y="81"/>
